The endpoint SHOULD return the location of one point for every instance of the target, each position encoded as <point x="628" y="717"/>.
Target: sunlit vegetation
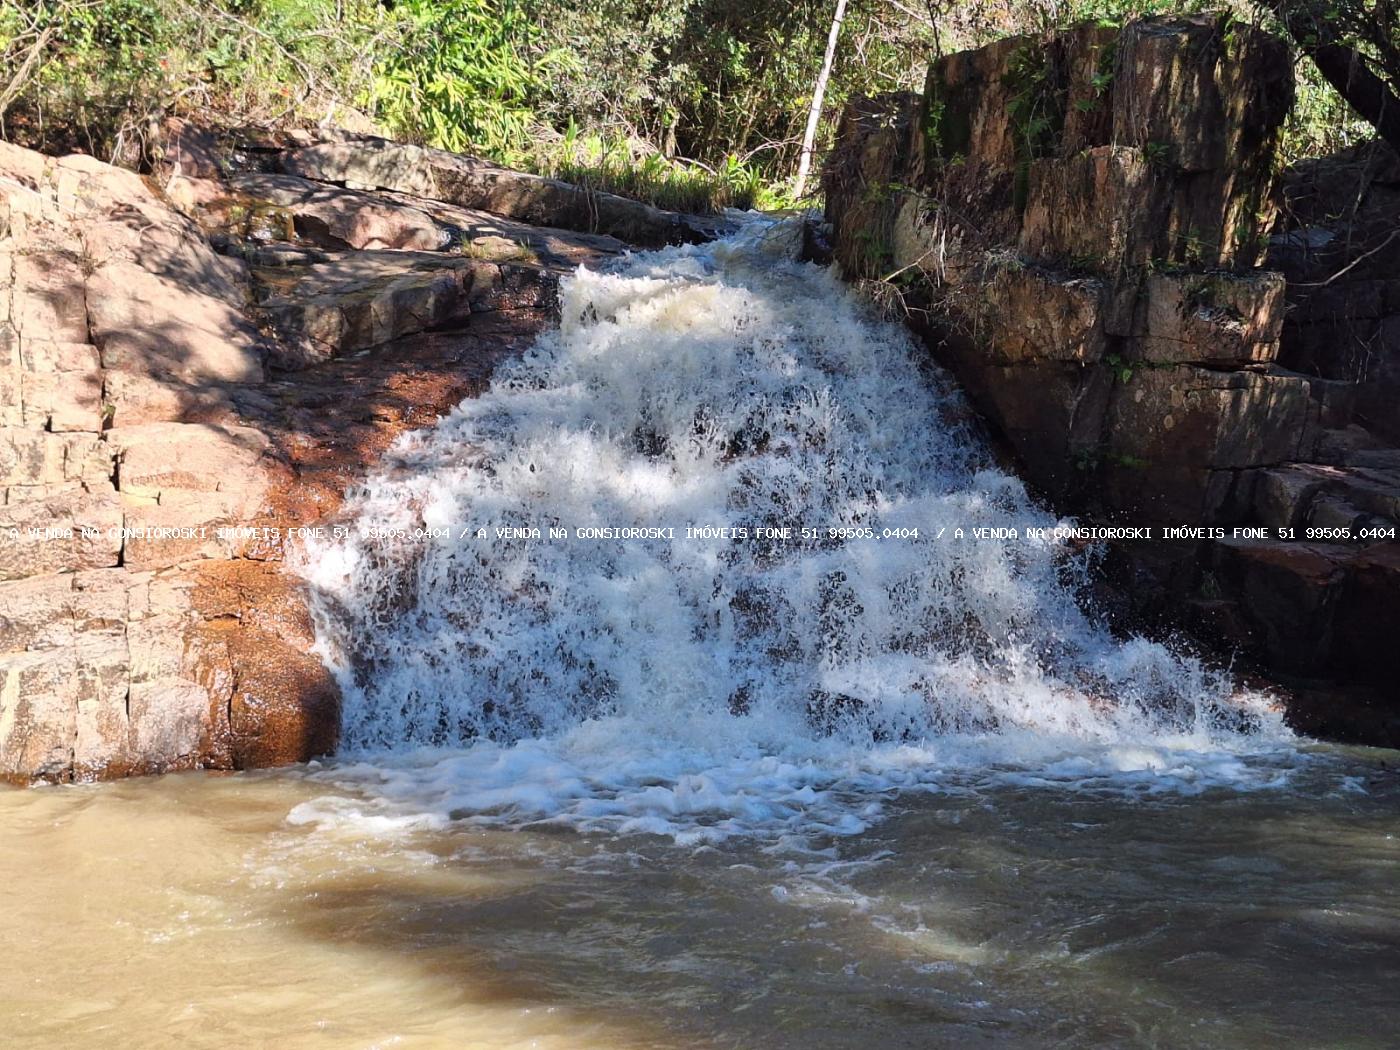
<point x="689" y="104"/>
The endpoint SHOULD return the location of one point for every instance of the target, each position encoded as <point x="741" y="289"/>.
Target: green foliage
<point x="706" y="79"/>
<point x="1121" y="369"/>
<point x="1037" y="111"/>
<point x="458" y="78"/>
<point x="1321" y="122"/>
<point x="691" y="104"/>
<point x="614" y="165"/>
<point x="1157" y="154"/>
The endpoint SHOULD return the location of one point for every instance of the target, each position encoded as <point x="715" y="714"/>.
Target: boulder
<point x="190" y="151"/>
<point x="1053" y="415"/>
<point x="338" y="218"/>
<point x="1031" y="314"/>
<point x="1205" y="91"/>
<point x="1284" y="495"/>
<point x="1102" y="209"/>
<point x="365" y="299"/>
<point x="1218" y="319"/>
<point x="969" y="101"/>
<point x="1367" y="612"/>
<point x="1288" y="592"/>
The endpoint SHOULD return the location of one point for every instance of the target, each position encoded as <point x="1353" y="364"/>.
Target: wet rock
<point x="827" y="712"/>
<point x="1367" y="611"/>
<point x="254" y="642"/>
<point x="1288" y="593"/>
<point x="1052" y="414"/>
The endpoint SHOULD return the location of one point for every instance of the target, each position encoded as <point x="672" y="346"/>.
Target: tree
<point x="1355" y="45"/>
<point x="814" y="115"/>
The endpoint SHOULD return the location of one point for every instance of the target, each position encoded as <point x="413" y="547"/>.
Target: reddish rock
<point x="133" y="400"/>
<point x="254" y="640"/>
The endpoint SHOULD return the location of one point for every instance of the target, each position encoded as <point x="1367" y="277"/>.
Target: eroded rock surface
<point x="205" y="352"/>
<point x="470" y="182"/>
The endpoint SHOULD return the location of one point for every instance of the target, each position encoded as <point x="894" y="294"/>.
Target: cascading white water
<point x="706" y="686"/>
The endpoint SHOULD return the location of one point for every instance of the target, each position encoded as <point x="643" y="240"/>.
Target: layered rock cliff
<point x="193" y="365"/>
<point x="1075" y="222"/>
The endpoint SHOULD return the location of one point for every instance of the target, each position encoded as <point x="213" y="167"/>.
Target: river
<point x="880" y="782"/>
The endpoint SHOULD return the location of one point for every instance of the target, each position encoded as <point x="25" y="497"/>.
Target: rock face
<point x="107" y="296"/>
<point x="189" y="367"/>
<point x="1339" y="249"/>
<point x="1074" y="223"/>
<point x="1083" y="210"/>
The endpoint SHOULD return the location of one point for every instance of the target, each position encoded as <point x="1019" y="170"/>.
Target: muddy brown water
<point x="189" y="910"/>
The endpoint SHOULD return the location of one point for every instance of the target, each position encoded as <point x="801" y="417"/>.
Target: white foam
<point x="703" y="689"/>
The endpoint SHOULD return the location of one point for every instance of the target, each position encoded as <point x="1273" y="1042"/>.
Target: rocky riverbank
<point x="1075" y="224"/>
<point x="194" y="363"/>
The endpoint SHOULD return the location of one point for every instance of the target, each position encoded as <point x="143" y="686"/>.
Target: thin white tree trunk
<point x="814" y="115"/>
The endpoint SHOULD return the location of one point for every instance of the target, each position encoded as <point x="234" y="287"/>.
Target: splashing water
<point x="707" y="686"/>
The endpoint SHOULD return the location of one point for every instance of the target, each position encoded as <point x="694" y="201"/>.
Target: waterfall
<point x="704" y="684"/>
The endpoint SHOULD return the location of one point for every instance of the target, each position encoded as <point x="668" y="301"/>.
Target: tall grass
<point x="632" y="169"/>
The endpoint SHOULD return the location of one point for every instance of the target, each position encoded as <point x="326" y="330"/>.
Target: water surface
<point x="187" y="910"/>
